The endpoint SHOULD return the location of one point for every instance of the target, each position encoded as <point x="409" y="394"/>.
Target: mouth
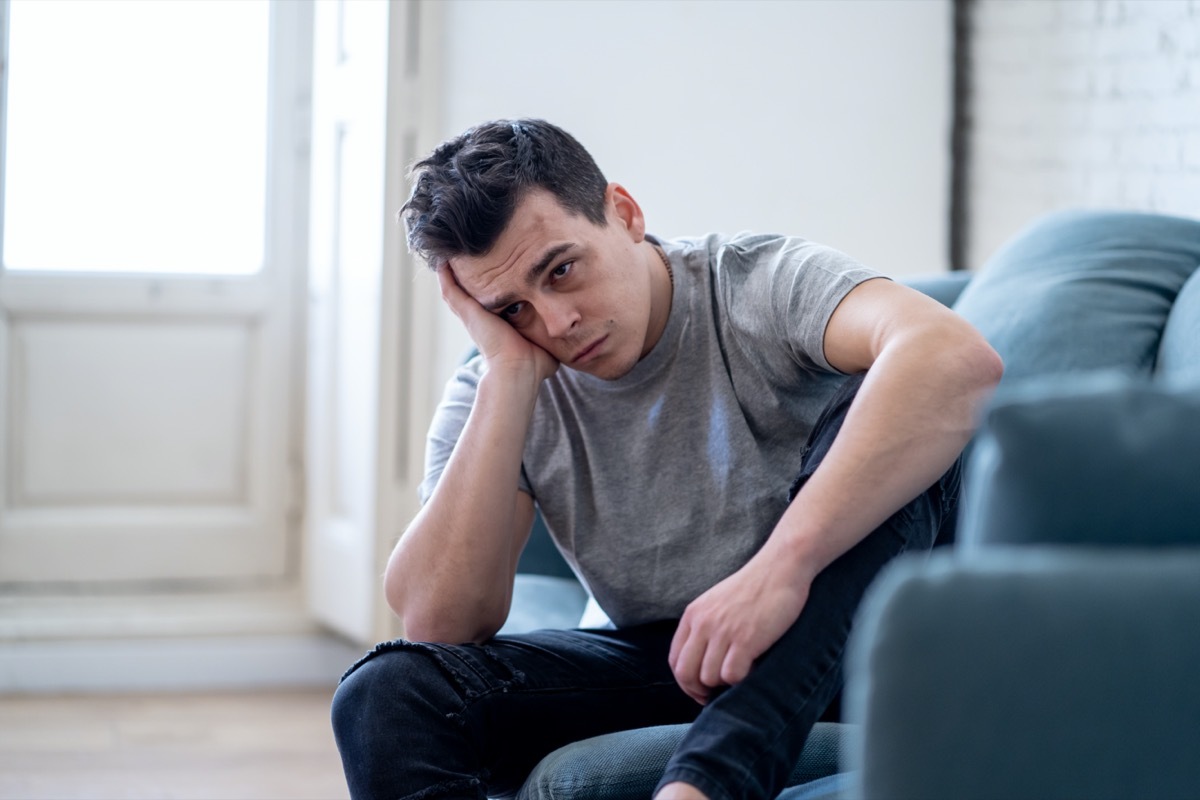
<point x="589" y="352"/>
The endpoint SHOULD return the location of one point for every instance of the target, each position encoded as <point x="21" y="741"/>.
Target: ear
<point x="623" y="210"/>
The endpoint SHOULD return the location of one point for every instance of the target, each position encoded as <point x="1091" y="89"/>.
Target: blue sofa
<point x="1051" y="650"/>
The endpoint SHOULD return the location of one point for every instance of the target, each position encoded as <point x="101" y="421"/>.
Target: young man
<point x="680" y="412"/>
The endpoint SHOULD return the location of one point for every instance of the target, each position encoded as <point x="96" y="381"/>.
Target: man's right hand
<point x="450" y="576"/>
<point x="501" y="344"/>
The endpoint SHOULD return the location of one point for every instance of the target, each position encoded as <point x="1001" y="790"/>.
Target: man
<point x="680" y="412"/>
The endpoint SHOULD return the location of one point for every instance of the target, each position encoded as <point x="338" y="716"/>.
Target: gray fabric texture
<point x="1050" y="673"/>
<point x="629" y="764"/>
<point x="1097" y="459"/>
<point x="659" y="484"/>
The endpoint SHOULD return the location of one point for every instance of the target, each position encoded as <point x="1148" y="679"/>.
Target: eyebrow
<point x="531" y="276"/>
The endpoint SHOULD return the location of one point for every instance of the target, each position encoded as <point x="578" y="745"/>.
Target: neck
<point x="662" y="290"/>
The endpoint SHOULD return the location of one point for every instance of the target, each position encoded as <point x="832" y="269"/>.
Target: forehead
<point x="540" y="226"/>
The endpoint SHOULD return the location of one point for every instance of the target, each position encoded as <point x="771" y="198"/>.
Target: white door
<point x="346" y="264"/>
<point x="153" y="157"/>
<point x="370" y="395"/>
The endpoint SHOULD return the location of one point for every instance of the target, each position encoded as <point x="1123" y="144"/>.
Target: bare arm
<point x="451" y="574"/>
<point x="929" y="374"/>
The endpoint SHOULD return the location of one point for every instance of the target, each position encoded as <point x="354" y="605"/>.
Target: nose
<point x="559" y="316"/>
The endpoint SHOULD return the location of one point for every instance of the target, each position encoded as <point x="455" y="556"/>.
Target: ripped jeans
<point x="417" y="721"/>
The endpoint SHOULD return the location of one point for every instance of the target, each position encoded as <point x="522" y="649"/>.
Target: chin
<point x="611" y="371"/>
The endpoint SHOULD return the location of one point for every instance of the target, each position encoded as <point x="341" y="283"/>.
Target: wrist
<point x="790" y="555"/>
<point x="513" y="374"/>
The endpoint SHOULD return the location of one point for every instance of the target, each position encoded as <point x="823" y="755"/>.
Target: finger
<point x="452" y="293"/>
<point x="736" y="665"/>
<point x="687" y="668"/>
<point x="677" y="641"/>
<point x="713" y="662"/>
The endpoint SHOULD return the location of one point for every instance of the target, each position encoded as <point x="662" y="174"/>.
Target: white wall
<point x="819" y="118"/>
<point x="1087" y="103"/>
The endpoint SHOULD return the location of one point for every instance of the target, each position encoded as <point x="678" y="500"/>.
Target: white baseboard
<point x="201" y="663"/>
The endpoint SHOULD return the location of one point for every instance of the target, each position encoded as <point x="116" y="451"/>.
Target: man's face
<point x="581" y="292"/>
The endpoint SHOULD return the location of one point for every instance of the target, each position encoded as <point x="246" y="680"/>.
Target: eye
<point x="560" y="272"/>
<point x="513" y="312"/>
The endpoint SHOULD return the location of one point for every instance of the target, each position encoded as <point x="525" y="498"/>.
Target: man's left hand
<point x="725" y="629"/>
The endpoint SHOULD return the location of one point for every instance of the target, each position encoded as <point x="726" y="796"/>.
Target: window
<point x="135" y="136"/>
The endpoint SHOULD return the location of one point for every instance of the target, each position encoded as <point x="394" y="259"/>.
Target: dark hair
<point x="465" y="192"/>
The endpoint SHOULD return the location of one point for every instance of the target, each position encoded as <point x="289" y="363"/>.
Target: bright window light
<point x="136" y="136"/>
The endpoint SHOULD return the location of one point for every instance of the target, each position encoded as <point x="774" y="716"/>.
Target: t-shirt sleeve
<point x="786" y="289"/>
<point x="447" y="426"/>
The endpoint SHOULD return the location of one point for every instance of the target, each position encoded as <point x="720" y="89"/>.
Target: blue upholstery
<point x="1080" y="291"/>
<point x="946" y="287"/>
<point x="1033" y="673"/>
<point x="1179" y="352"/>
<point x="1101" y="460"/>
<point x="1053" y="653"/>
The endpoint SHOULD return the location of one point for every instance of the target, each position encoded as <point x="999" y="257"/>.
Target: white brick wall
<point x="1082" y="103"/>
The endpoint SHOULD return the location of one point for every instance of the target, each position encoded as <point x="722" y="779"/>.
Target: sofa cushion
<point x="945" y="287"/>
<point x="1102" y="459"/>
<point x="1179" y="353"/>
<point x="1047" y="673"/>
<point x="1083" y="290"/>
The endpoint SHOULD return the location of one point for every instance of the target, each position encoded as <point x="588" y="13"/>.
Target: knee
<point x="357" y="711"/>
<point x="388" y="692"/>
<point x="394" y="719"/>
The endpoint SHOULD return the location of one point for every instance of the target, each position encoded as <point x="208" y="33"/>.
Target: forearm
<point x="916" y="410"/>
<point x="450" y="576"/>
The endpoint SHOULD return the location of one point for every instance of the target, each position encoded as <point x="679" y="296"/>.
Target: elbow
<point x="990" y="365"/>
<point x="427" y="628"/>
<point x="981" y="369"/>
<point x="976" y="362"/>
<point x="426" y="617"/>
<point x="431" y="625"/>
<point x="393" y="591"/>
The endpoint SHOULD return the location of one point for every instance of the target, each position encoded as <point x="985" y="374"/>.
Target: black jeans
<point x="417" y="720"/>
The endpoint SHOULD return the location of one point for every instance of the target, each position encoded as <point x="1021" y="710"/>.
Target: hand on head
<point x="501" y="344"/>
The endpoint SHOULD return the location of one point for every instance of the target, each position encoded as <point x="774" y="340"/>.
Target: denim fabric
<point x="629" y="764"/>
<point x="418" y="720"/>
<point x="832" y="787"/>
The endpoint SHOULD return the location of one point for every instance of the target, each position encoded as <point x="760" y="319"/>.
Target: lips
<point x="589" y="352"/>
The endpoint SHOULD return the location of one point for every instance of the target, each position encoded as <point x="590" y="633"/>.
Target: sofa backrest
<point x="1080" y="291"/>
<point x="1179" y="351"/>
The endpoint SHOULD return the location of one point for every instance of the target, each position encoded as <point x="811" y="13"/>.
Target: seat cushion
<point x="1083" y="290"/>
<point x="1100" y="459"/>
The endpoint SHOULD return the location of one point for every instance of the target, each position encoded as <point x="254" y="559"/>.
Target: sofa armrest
<point x="1096" y="459"/>
<point x="1036" y="672"/>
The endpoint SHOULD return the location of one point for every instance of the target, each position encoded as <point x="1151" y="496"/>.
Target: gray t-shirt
<point x="659" y="484"/>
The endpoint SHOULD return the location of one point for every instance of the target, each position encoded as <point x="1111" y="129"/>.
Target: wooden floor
<point x="252" y="746"/>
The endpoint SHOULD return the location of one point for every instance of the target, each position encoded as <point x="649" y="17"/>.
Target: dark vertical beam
<point x="960" y="134"/>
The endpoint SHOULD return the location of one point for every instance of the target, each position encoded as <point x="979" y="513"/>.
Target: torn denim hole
<point x="514" y="676"/>
<point x="460" y="680"/>
<point x="454" y="788"/>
